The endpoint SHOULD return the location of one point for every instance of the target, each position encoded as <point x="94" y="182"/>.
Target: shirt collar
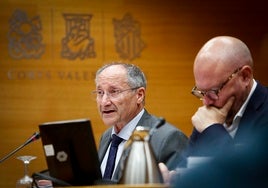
<point x="127" y="130"/>
<point x="232" y="128"/>
<point x="243" y="108"/>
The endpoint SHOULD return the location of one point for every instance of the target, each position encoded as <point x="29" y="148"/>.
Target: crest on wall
<point x="127" y="33"/>
<point x="77" y="42"/>
<point x="24" y="36"/>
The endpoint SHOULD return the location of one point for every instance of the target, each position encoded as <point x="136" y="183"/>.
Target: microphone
<point x="34" y="137"/>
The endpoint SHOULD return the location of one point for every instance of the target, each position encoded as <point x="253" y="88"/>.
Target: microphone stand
<point x="34" y="137"/>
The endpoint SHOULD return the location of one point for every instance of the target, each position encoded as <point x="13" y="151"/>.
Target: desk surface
<point x="122" y="186"/>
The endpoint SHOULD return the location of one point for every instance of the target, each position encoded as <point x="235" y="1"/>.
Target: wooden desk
<point x="122" y="186"/>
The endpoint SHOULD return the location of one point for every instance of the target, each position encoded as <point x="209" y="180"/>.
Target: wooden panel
<point x="50" y="87"/>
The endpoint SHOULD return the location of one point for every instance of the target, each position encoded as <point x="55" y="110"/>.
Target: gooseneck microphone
<point x="34" y="137"/>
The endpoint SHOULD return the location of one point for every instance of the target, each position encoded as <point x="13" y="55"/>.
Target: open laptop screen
<point x="70" y="151"/>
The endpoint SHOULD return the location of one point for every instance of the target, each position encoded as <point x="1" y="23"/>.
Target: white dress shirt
<point x="125" y="133"/>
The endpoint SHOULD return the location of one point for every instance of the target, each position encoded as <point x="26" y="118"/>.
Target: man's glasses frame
<point x="112" y="94"/>
<point x="213" y="93"/>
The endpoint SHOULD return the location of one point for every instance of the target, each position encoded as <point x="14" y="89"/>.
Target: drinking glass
<point x="26" y="180"/>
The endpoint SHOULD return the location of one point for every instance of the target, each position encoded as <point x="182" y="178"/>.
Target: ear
<point x="246" y="73"/>
<point x="140" y="95"/>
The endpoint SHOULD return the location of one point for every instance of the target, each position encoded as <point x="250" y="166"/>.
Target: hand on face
<point x="205" y="116"/>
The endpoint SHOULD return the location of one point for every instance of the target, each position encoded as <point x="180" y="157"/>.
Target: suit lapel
<point x="147" y="120"/>
<point x="104" y="144"/>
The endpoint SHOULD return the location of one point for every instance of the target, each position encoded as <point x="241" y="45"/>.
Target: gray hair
<point x="135" y="76"/>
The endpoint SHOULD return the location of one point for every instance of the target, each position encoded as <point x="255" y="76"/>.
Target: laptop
<point x="70" y="152"/>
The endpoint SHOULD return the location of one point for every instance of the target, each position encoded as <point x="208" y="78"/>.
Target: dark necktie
<point x="112" y="156"/>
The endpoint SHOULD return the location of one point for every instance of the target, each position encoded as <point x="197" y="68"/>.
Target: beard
<point x="230" y="116"/>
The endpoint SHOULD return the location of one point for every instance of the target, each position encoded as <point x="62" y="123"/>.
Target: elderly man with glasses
<point x="120" y="96"/>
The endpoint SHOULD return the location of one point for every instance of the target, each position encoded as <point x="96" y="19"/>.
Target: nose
<point x="105" y="99"/>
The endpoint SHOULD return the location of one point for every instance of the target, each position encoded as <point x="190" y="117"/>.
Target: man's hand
<point x="205" y="116"/>
<point x="166" y="174"/>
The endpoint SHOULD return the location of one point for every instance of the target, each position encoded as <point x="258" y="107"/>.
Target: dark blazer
<point x="244" y="165"/>
<point x="254" y="121"/>
<point x="167" y="142"/>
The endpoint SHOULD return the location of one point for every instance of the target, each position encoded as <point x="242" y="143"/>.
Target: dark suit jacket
<point x="215" y="138"/>
<point x="167" y="142"/>
<point x="245" y="167"/>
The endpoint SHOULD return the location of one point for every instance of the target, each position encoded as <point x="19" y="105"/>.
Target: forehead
<point x="113" y="76"/>
<point x="208" y="76"/>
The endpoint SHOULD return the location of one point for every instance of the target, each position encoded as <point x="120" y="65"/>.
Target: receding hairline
<point x="134" y="75"/>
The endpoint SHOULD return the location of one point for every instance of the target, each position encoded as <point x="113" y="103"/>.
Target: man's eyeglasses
<point x="213" y="93"/>
<point x="112" y="94"/>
